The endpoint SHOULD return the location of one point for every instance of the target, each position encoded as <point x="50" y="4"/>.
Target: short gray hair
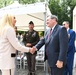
<point x="67" y="22"/>
<point x="53" y="17"/>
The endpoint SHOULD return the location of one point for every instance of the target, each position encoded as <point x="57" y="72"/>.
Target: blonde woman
<point x="9" y="44"/>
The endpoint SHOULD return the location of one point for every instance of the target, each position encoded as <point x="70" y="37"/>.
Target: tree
<point x="4" y="3"/>
<point x="63" y="9"/>
<point x="27" y="1"/>
<point x="71" y="4"/>
<point x="57" y="9"/>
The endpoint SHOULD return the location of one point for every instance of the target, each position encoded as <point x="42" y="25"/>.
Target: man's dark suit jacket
<point x="71" y="47"/>
<point x="56" y="47"/>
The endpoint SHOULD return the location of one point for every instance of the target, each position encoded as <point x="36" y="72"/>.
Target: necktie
<point x="48" y="39"/>
<point x="49" y="35"/>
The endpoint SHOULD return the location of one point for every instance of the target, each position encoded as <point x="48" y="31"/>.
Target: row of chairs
<point x="21" y="60"/>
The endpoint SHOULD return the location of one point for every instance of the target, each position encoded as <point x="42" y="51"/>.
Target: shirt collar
<point x="67" y="29"/>
<point x="53" y="27"/>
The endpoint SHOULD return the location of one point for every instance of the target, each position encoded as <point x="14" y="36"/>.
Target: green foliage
<point x="4" y="3"/>
<point x="27" y="1"/>
<point x="41" y="33"/>
<point x="63" y="9"/>
<point x="20" y="32"/>
<point x="56" y="9"/>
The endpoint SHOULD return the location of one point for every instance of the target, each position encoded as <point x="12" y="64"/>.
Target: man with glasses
<point x="71" y="49"/>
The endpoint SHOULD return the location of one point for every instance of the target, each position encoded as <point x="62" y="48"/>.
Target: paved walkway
<point x="24" y="72"/>
<point x="74" y="71"/>
<point x="39" y="71"/>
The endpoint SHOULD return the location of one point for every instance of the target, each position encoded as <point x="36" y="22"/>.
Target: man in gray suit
<point x="56" y="45"/>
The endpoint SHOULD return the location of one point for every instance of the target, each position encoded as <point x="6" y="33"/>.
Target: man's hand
<point x="32" y="50"/>
<point x="59" y="64"/>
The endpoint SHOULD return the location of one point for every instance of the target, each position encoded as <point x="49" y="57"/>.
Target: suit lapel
<point x="46" y="37"/>
<point x="53" y="32"/>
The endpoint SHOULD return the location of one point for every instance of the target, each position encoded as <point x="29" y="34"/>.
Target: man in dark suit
<point x="71" y="49"/>
<point x="56" y="45"/>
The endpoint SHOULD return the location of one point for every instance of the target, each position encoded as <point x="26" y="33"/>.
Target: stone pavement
<point x="24" y="72"/>
<point x="39" y="71"/>
<point x="74" y="71"/>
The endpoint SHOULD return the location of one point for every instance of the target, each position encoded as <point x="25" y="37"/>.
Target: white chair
<point x="24" y="62"/>
<point x="19" y="60"/>
<point x="40" y="59"/>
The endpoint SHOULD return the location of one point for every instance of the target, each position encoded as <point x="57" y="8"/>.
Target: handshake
<point x="32" y="50"/>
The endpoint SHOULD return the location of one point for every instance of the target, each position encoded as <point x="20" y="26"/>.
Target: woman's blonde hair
<point x="7" y="19"/>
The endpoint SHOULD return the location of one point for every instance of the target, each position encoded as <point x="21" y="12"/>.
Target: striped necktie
<point x="49" y="35"/>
